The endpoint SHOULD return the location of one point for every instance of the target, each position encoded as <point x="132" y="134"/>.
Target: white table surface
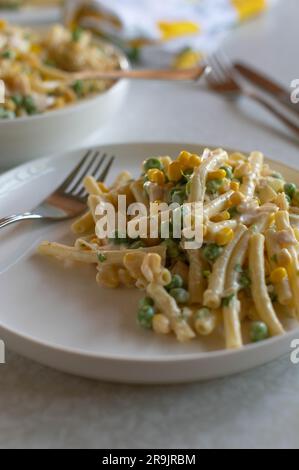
<point x="40" y="407"/>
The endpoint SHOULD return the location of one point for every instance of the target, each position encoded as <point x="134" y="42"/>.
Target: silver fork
<point x="69" y="199"/>
<point x="222" y="79"/>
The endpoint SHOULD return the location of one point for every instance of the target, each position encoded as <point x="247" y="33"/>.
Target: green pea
<point x="29" y="105"/>
<point x="7" y="54"/>
<point x="258" y="331"/>
<point x="152" y="163"/>
<point x="180" y="295"/>
<point x="288" y="198"/>
<point x="134" y="54"/>
<point x="5" y="114"/>
<point x="102" y="257"/>
<point x="178" y="196"/>
<point x="173" y="249"/>
<point x="290" y="189"/>
<point x="202" y="313"/>
<point x="17" y="99"/>
<point x="213" y="186"/>
<point x="226" y="300"/>
<point x="145" y="316"/>
<point x="212" y="251"/>
<point x="77" y="33"/>
<point x="244" y="279"/>
<point x="78" y="87"/>
<point x="175" y="282"/>
<point x="228" y="170"/>
<point x="145" y="302"/>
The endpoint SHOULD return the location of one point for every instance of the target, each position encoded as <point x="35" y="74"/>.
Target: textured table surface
<point x="40" y="407"/>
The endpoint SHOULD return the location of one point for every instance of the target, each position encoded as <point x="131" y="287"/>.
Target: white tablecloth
<point x="40" y="407"/>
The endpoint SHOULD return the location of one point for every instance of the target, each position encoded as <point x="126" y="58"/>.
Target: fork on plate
<point x="69" y="199"/>
<point x="223" y="79"/>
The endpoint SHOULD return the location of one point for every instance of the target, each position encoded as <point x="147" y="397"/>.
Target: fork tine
<point x="98" y="166"/>
<point x="105" y="172"/>
<point x="222" y="68"/>
<point x="101" y="177"/>
<point x="216" y="75"/>
<point x="68" y="180"/>
<point x="85" y="172"/>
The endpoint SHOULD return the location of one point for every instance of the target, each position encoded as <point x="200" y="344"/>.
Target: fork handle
<point x="18" y="218"/>
<point x="193" y="73"/>
<point x="266" y="104"/>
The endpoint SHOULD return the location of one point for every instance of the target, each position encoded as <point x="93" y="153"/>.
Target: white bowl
<point x="31" y="137"/>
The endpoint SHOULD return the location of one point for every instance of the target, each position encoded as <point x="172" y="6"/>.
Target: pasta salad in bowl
<point x="43" y="111"/>
<point x="35" y="66"/>
<point x="211" y="239"/>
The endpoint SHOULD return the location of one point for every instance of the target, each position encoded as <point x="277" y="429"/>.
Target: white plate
<point x="32" y="15"/>
<point x="60" y="317"/>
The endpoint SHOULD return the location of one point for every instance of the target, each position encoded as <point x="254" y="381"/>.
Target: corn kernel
<point x="224" y="236"/>
<point x="3" y="24"/>
<point x="156" y="176"/>
<point x="217" y="174"/>
<point x="296" y="233"/>
<point x="194" y="161"/>
<point x="36" y="48"/>
<point x="235" y="185"/>
<point x="59" y="103"/>
<point x="174" y="171"/>
<point x="187" y="59"/>
<point x="236" y="198"/>
<point x="184" y="158"/>
<point x="278" y="275"/>
<point x="225" y="215"/>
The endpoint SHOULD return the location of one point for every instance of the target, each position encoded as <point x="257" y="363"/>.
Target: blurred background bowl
<point x="69" y="128"/>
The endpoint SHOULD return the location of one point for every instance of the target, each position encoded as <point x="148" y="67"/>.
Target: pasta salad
<point x="35" y="68"/>
<point x="244" y="269"/>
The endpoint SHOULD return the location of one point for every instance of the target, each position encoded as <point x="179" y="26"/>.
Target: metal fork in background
<point x="222" y="79"/>
<point x="69" y="199"/>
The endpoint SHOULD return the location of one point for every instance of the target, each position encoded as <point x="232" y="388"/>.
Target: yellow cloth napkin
<point x="180" y="31"/>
